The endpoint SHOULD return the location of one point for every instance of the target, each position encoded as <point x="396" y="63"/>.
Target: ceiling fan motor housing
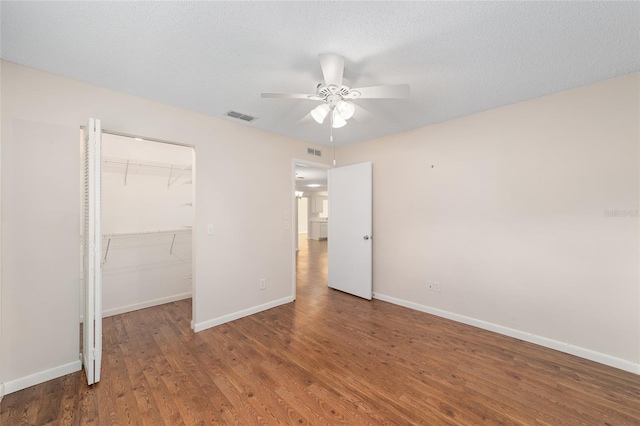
<point x="333" y="94"/>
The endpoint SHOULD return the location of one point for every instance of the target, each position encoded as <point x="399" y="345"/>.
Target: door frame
<point x="194" y="210"/>
<point x="294" y="202"/>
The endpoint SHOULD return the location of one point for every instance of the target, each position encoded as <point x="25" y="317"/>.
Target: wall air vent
<point x="240" y="116"/>
<point x="315" y="152"/>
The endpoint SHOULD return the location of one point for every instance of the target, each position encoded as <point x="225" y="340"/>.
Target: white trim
<point x="194" y="234"/>
<point x="240" y="314"/>
<point x="148" y="304"/>
<point x="41" y="377"/>
<point x="568" y="348"/>
<point x="143" y="305"/>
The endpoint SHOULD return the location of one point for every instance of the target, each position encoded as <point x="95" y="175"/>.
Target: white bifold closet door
<point x="92" y="254"/>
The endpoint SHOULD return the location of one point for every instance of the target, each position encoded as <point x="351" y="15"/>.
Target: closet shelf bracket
<point x="178" y="175"/>
<point x="170" y="173"/>
<point x="106" y="252"/>
<point x="172" y="242"/>
<point x="126" y="172"/>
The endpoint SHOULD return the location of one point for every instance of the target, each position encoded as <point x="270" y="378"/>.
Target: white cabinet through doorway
<point x="318" y="230"/>
<point x="317" y="204"/>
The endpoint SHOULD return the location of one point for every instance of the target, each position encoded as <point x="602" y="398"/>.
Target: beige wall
<point x="244" y="187"/>
<point x="506" y="209"/>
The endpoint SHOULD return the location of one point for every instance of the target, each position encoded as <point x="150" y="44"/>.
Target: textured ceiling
<point x="306" y="175"/>
<point x="458" y="57"/>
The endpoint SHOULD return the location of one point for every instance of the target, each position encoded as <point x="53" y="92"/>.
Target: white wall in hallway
<point x="303" y="214"/>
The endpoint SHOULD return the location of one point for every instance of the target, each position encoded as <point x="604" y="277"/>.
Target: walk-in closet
<point x="147" y="214"/>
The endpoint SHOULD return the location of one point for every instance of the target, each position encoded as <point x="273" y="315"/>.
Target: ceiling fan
<point x="336" y="95"/>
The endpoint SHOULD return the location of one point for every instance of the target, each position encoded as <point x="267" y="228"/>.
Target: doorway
<point x="146" y="189"/>
<point x="349" y="230"/>
<point x="311" y="221"/>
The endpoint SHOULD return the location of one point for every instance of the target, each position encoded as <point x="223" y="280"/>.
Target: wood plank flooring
<point x="329" y="358"/>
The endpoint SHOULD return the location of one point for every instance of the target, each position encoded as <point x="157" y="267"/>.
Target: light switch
<point x="210" y="228"/>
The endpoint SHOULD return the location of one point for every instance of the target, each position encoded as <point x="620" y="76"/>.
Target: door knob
<point x="366" y="237"/>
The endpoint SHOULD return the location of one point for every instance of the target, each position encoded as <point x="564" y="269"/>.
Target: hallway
<point x="311" y="268"/>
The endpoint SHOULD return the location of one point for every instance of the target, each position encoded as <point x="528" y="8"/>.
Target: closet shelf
<point x="147" y="233"/>
<point x="146" y="238"/>
<point x="176" y="171"/>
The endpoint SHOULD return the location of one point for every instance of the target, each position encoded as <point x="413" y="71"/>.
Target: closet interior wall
<point x="147" y="203"/>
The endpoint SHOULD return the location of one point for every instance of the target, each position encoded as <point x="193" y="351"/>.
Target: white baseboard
<point x="41" y="377"/>
<point x="148" y="304"/>
<point x="1" y="391"/>
<point x="522" y="335"/>
<point x="237" y="315"/>
<point x="136" y="306"/>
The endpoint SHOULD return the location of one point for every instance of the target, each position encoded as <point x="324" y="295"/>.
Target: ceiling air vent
<point x="240" y="116"/>
<point x="315" y="152"/>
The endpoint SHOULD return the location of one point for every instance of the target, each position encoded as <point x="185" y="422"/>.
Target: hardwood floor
<point x="329" y="358"/>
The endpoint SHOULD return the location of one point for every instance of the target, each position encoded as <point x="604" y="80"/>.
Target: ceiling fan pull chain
<point x="331" y="137"/>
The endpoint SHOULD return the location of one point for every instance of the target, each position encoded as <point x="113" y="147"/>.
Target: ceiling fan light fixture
<point x="320" y="112"/>
<point x="345" y="109"/>
<point x="338" y="121"/>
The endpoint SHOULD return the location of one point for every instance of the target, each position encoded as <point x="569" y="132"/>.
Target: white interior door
<point x="350" y="226"/>
<point x="92" y="253"/>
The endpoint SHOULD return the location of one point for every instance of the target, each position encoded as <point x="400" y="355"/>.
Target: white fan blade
<point x="307" y="119"/>
<point x="288" y="96"/>
<point x="391" y="91"/>
<point x="361" y="114"/>
<point x="332" y="68"/>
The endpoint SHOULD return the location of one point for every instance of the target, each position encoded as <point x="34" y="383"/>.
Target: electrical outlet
<point x="433" y="286"/>
<point x="263" y="283"/>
